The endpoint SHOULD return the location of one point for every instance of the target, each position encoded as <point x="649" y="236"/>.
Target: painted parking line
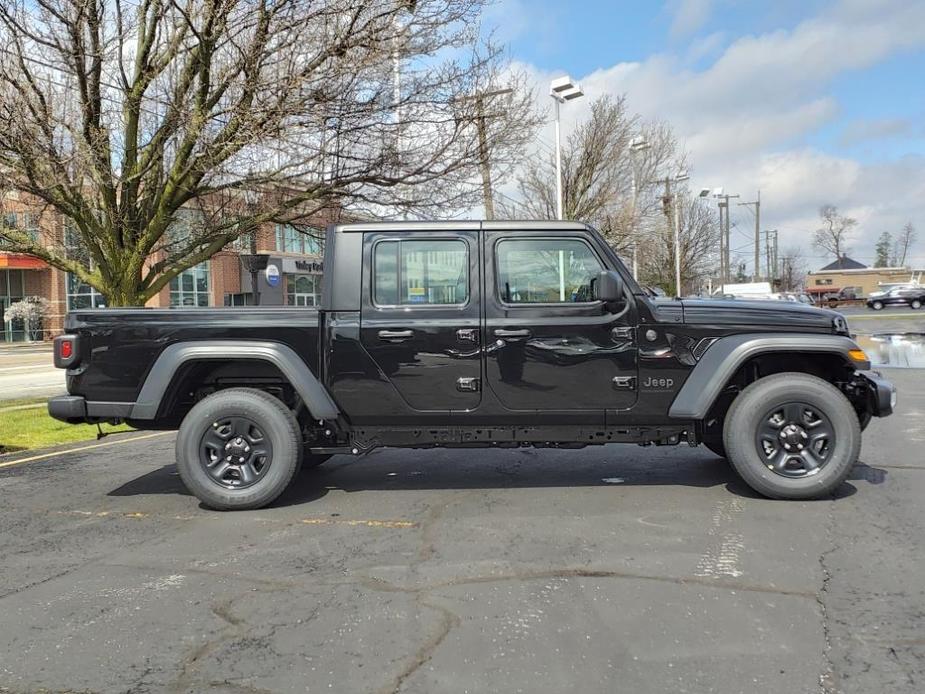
<point x="350" y="522"/>
<point x="78" y="449"/>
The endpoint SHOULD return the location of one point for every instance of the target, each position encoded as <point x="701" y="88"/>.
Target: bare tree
<point x="699" y="240"/>
<point x="793" y="269"/>
<point x="835" y="231"/>
<point x="161" y="130"/>
<point x="604" y="182"/>
<point x="906" y="239"/>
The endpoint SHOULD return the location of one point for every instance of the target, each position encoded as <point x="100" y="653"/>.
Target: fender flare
<point x="316" y="397"/>
<point x="727" y="354"/>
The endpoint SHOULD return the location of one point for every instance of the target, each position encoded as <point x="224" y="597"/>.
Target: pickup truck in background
<point x="476" y="334"/>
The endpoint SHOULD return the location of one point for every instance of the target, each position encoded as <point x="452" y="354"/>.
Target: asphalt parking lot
<point x="597" y="570"/>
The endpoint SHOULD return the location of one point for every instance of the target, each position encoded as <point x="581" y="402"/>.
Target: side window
<point x="546" y="271"/>
<point x="420" y="272"/>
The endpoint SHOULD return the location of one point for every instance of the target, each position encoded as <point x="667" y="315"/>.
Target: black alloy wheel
<point x="792" y="436"/>
<point x="235" y="453"/>
<point x="795" y="439"/>
<point x="239" y="449"/>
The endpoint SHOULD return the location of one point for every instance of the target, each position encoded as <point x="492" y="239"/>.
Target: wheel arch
<point x="174" y="367"/>
<point x="740" y="358"/>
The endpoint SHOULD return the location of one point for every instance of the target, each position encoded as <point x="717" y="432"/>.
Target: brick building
<point x="293" y="275"/>
<point x="847" y="272"/>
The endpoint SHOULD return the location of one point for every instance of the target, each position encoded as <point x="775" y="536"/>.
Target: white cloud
<point x="689" y="16"/>
<point x="864" y="130"/>
<point x="747" y="118"/>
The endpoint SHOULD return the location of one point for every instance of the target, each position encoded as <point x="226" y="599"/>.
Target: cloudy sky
<point x="811" y="102"/>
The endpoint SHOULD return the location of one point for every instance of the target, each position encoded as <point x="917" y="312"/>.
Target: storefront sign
<point x="292" y="266"/>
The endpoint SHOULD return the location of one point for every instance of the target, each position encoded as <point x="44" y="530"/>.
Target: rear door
<point x="420" y="315"/>
<point x="551" y="347"/>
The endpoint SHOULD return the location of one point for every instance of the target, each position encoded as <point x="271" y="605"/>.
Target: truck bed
<point x="121" y="345"/>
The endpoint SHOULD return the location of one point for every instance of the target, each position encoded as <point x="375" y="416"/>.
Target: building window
<point x="827" y="280"/>
<point x="420" y="272"/>
<point x="11" y="291"/>
<point x="22" y="221"/>
<point x="546" y="271"/>
<point x="240" y="299"/>
<point x="303" y="290"/>
<point x="82" y="295"/>
<point x="191" y="287"/>
<point x="289" y="239"/>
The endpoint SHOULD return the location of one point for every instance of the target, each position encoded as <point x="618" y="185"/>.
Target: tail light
<point x="66" y="352"/>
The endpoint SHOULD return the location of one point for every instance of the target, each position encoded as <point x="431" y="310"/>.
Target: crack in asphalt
<point x="448" y="621"/>
<point x="828" y="682"/>
<point x="380" y="584"/>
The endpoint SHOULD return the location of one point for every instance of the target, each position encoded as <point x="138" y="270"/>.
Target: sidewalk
<point x="27" y="371"/>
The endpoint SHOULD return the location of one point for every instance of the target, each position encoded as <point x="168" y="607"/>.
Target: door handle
<point x="395" y="334"/>
<point x="512" y="334"/>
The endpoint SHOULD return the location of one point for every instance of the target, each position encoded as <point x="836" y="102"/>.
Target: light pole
<point x="561" y="90"/>
<point x="639" y="144"/>
<point x="673" y="212"/>
<point x="680" y="177"/>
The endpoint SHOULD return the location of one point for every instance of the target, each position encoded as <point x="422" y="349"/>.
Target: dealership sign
<point x="272" y="275"/>
<point x="292" y="266"/>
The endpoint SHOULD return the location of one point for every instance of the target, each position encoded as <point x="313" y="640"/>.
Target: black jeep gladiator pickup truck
<point x="476" y="334"/>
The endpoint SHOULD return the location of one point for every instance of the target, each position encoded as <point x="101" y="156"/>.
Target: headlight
<point x="840" y="325"/>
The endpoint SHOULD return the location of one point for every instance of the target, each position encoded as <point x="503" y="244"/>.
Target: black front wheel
<point x="792" y="436"/>
<point x="877" y="305"/>
<point x="238" y="449"/>
<point x="916" y="304"/>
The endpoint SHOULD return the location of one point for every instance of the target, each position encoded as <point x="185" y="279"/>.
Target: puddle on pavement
<point x="894" y="349"/>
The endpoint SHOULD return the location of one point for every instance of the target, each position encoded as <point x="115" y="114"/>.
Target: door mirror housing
<point x="610" y="286"/>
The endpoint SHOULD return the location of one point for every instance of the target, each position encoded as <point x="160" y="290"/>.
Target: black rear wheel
<point x="792" y="436"/>
<point x="238" y="449"/>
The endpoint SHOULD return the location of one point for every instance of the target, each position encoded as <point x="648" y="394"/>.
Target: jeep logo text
<point x="658" y="383"/>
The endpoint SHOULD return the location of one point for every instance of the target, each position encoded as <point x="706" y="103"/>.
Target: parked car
<point x="913" y="297"/>
<point x="476" y="334"/>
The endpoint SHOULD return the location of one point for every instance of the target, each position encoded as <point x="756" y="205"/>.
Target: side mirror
<point x="610" y="286"/>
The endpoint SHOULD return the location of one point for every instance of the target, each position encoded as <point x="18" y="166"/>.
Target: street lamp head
<point x="639" y="144"/>
<point x="563" y="89"/>
<point x="561" y="84"/>
<point x="704" y="192"/>
<point x="681" y="176"/>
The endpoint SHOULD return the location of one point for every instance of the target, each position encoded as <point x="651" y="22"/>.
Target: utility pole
<point x="776" y="259"/>
<point x="725" y="204"/>
<point x="770" y="249"/>
<point x="722" y="255"/>
<point x="757" y="203"/>
<point x="484" y="155"/>
<point x="673" y="213"/>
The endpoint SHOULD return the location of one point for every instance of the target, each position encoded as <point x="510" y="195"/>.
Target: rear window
<point x="428" y="272"/>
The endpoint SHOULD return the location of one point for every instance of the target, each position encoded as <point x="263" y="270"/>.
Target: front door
<point x="420" y="320"/>
<point x="551" y="347"/>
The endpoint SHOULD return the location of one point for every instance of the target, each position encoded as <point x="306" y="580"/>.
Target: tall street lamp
<point x="639" y="144"/>
<point x="680" y="177"/>
<point x="561" y="90"/>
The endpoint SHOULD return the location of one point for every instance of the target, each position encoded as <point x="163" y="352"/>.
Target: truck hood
<point x="787" y="314"/>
